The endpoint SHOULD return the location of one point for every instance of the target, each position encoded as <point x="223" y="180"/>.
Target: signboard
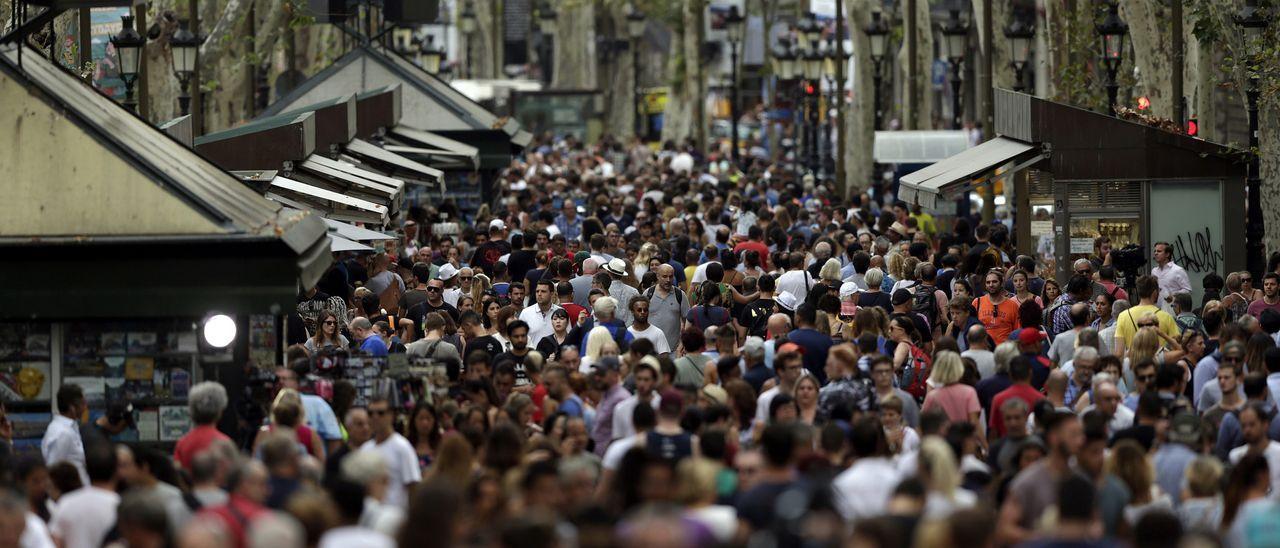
<point x="1188" y="215"/>
<point x="106" y="75"/>
<point x="1081" y="245"/>
<point x="1044" y="228"/>
<point x="655" y="100"/>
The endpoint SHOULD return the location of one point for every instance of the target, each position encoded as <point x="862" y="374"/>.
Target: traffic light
<point x="1144" y="103"/>
<point x="1193" y="127"/>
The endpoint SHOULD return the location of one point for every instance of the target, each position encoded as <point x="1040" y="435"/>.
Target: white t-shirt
<point x="36" y="534"/>
<point x="985" y="359"/>
<point x="343" y="537"/>
<point x="864" y="489"/>
<point x="721" y="520"/>
<point x="623" y="413"/>
<point x="1271" y="453"/>
<point x="655" y="335"/>
<point x="613" y="455"/>
<point x="84" y="517"/>
<point x="402" y="466"/>
<point x="762" y="404"/>
<point x="796" y="282"/>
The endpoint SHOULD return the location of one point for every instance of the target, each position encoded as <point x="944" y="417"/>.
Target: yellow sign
<point x="655" y="100"/>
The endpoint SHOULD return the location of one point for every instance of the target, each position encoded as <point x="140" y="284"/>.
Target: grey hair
<point x="574" y="465"/>
<point x="873" y="277"/>
<point x="1012" y="405"/>
<point x="207" y="401"/>
<point x="275" y="529"/>
<point x="1119" y="306"/>
<point x="361" y="323"/>
<point x="144" y="509"/>
<point x="1087" y="353"/>
<point x="1005" y="353"/>
<point x="606" y="305"/>
<point x="1101" y="379"/>
<point x="364" y="467"/>
<point x="1082" y="262"/>
<point x="1088" y="337"/>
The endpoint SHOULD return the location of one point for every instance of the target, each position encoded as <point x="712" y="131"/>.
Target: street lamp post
<point x="784" y="66"/>
<point x="1113" y="31"/>
<point x="877" y="31"/>
<point x="467" y="24"/>
<point x="185" y="45"/>
<point x="1020" y="35"/>
<point x="128" y="45"/>
<point x="1253" y="21"/>
<point x="811" y="33"/>
<point x="733" y="24"/>
<point x="547" y="25"/>
<point x="955" y="34"/>
<point x="635" y="27"/>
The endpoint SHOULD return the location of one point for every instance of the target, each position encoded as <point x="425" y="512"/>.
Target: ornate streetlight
<point x="877" y="31"/>
<point x="734" y="23"/>
<point x="185" y="45"/>
<point x="547" y="25"/>
<point x="128" y="45"/>
<point x="813" y="59"/>
<point x="1020" y="36"/>
<point x="955" y="35"/>
<point x="467" y="24"/>
<point x="1253" y="21"/>
<point x="1113" y="31"/>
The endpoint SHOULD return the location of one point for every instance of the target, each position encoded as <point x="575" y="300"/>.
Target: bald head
<point x="590" y="266"/>
<point x="1057" y="383"/>
<point x="977" y="337"/>
<point x="779" y="324"/>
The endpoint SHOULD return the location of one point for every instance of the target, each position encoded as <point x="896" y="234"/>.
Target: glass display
<point x="1121" y="230"/>
<point x="26" y="381"/>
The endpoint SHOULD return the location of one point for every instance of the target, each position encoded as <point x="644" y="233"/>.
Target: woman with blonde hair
<point x="647" y="251"/>
<point x="958" y="400"/>
<point x="597" y="339"/>
<point x="940" y="474"/>
<point x="479" y="285"/>
<point x="1129" y="463"/>
<point x="805" y="394"/>
<point x="289" y="417"/>
<point x="696" y="478"/>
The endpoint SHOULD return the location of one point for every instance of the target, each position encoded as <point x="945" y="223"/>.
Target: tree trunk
<point x="1152" y="39"/>
<point x="685" y="115"/>
<point x="859" y="116"/>
<point x="1001" y="69"/>
<point x="575" y="44"/>
<point x="924" y="60"/>
<point x="1269" y="170"/>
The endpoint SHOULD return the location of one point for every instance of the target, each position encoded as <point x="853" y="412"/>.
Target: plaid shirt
<point x="1061" y="320"/>
<point x="1073" y="393"/>
<point x="848" y="393"/>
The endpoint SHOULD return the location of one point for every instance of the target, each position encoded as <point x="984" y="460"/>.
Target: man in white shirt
<point x="1173" y="279"/>
<point x="402" y="460"/>
<point x="1106" y="398"/>
<point x="796" y="281"/>
<point x="788" y="365"/>
<point x="538" y="314"/>
<point x="980" y="350"/>
<point x="642" y="329"/>
<point x="85" y="516"/>
<point x="62" y="438"/>
<point x="864" y="489"/>
<point x="1253" y="426"/>
<point x="646" y="380"/>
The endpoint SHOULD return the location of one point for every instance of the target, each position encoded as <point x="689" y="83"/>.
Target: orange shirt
<point x="1000" y="319"/>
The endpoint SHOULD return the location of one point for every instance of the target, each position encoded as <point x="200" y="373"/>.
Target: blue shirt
<point x="373" y="346"/>
<point x="320" y="417"/>
<point x="1171" y="462"/>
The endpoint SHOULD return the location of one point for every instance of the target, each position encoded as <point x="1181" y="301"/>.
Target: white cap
<point x="446" y="272"/>
<point x="497" y="224"/>
<point x="847" y="289"/>
<point x="786" y="300"/>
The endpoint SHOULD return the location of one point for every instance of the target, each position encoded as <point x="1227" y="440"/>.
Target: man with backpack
<point x="754" y="319"/>
<point x="667" y="305"/>
<point x="928" y="300"/>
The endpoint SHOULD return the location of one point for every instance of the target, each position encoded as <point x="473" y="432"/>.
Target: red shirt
<point x="538" y="396"/>
<point x="573" y="310"/>
<point x="758" y="247"/>
<point x="1025" y="392"/>
<point x="195" y="442"/>
<point x="237" y="515"/>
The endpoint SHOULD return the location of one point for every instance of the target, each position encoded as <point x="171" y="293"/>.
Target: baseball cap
<point x="790" y="347"/>
<point x="848" y="289"/>
<point x="497" y="224"/>
<point x="1185" y="429"/>
<point x="607" y="363"/>
<point x="1030" y="336"/>
<point x="901" y="296"/>
<point x="753" y="345"/>
<point x="447" y="272"/>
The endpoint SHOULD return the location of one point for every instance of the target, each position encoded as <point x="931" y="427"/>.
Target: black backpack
<point x="926" y="303"/>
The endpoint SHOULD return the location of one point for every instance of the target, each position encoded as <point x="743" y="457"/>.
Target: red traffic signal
<point x="1193" y="127"/>
<point x="808" y="89"/>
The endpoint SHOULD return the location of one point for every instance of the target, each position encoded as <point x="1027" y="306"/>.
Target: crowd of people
<point x="656" y="349"/>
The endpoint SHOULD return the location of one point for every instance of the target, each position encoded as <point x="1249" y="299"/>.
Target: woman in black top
<point x="550" y="345"/>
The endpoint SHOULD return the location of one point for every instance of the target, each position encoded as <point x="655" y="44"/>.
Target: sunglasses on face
<point x="1232" y="359"/>
<point x="378" y="412"/>
<point x="1146" y="378"/>
<point x="1084" y="272"/>
<point x="433" y="289"/>
<point x="330" y="322"/>
<point x="465" y="278"/>
<point x="1245" y="280"/>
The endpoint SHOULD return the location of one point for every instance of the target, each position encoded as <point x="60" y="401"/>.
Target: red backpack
<point x="915" y="372"/>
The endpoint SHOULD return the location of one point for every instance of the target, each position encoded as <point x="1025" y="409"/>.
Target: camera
<point x="1129" y="261"/>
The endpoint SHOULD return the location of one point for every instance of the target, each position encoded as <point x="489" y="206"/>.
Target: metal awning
<point x="370" y="151"/>
<point x="351" y="180"/>
<point x="438" y="144"/>
<point x="356" y="233"/>
<point x="338" y="244"/>
<point x="327" y="202"/>
<point x="918" y="147"/>
<point x="958" y="173"/>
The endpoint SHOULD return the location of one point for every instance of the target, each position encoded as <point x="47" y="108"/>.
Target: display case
<point x="1085" y="229"/>
<point x="26" y="380"/>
